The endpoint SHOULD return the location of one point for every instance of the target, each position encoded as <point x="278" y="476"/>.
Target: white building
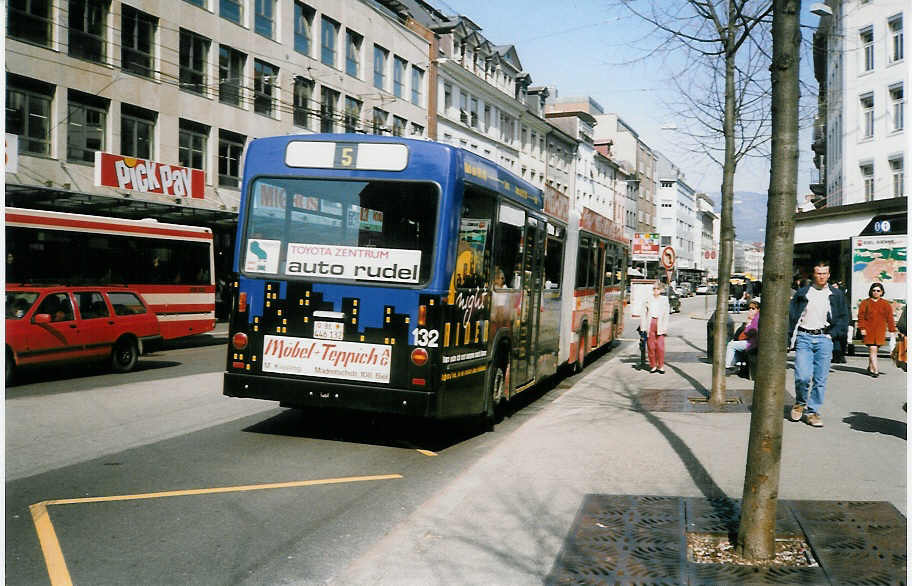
<point x="862" y="122"/>
<point x="189" y="83"/>
<point x="677" y="213"/>
<point x="708" y="221"/>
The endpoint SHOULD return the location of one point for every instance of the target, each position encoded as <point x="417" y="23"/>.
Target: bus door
<point x="600" y="285"/>
<point x="523" y="369"/>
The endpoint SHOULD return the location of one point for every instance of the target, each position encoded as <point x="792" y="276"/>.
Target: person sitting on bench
<point x="747" y="339"/>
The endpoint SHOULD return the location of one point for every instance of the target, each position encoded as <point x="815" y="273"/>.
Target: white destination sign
<point x="325" y="358"/>
<point x="353" y="262"/>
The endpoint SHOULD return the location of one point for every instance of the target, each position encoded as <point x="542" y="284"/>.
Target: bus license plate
<point x="327" y="330"/>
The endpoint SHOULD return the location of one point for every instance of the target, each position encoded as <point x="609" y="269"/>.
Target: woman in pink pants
<point x="654" y="320"/>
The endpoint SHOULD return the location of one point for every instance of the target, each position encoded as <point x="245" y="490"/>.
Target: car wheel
<point x="124" y="355"/>
<point x="10" y="366"/>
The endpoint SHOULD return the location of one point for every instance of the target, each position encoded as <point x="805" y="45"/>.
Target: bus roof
<point x="404" y="157"/>
<point x="28" y="218"/>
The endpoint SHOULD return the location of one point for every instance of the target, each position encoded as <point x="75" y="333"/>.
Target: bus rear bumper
<point x="292" y="392"/>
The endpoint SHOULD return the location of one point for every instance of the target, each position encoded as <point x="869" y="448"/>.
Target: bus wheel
<point x="124" y="356"/>
<point x="497" y="384"/>
<point x="10" y="366"/>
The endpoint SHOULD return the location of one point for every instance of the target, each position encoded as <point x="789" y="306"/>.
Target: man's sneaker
<point x="814" y="420"/>
<point x="797" y="412"/>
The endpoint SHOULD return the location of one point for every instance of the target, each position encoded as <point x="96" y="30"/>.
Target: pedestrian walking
<point x="817" y="314"/>
<point x="747" y="339"/>
<point x="875" y="318"/>
<point x="654" y="321"/>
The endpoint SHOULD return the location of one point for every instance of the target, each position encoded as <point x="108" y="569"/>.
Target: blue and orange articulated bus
<point x="392" y="275"/>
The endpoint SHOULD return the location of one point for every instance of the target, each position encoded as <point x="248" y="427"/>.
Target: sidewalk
<point x="505" y="519"/>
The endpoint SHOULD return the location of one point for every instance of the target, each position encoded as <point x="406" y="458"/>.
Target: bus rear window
<point x="368" y="231"/>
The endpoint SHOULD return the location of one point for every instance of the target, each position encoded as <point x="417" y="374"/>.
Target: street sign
<point x="668" y="257"/>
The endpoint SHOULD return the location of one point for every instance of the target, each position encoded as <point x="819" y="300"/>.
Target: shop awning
<point x="830" y="228"/>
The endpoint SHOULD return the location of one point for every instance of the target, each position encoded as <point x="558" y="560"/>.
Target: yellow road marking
<point x="427" y="452"/>
<point x="50" y="545"/>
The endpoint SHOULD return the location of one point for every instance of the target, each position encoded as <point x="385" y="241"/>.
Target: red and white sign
<point x="668" y="257"/>
<point x="645" y="247"/>
<point x="326" y="358"/>
<point x="148" y="176"/>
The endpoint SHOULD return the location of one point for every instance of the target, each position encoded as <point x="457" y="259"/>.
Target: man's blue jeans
<point x="813" y="353"/>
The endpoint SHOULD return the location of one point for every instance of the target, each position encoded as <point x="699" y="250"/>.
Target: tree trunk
<point x="756" y="533"/>
<point x="727" y="225"/>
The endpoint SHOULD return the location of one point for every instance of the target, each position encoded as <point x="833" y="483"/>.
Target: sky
<point x="594" y="48"/>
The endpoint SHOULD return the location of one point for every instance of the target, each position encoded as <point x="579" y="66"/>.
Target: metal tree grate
<point x="629" y="539"/>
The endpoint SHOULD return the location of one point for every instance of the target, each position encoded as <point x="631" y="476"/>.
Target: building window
<point x="352" y="118"/>
<point x="417" y="129"/>
<point x="328" y="105"/>
<point x="473" y="113"/>
<point x="28" y="114"/>
<point x="264" y="19"/>
<point x="30" y="21"/>
<point x="87" y="29"/>
<point x="353" y="53"/>
<point x="380" y="57"/>
<point x="487" y="117"/>
<point x="898" y="105"/>
<point x="191" y="144"/>
<point x="399" y="125"/>
<point x="447" y="97"/>
<point x="231" y="72"/>
<point x="265" y="80"/>
<point x="867" y="115"/>
<point x="399" y="65"/>
<point x="86" y="122"/>
<point x="417" y="86"/>
<point x="232" y="10"/>
<point x="303" y="93"/>
<point x="329" y="32"/>
<point x="303" y="28"/>
<point x="896" y="38"/>
<point x="137" y="37"/>
<point x="867" y="42"/>
<point x="137" y="129"/>
<point x="231" y="147"/>
<point x="201" y="3"/>
<point x="899" y="185"/>
<point x="867" y="176"/>
<point x="379" y="121"/>
<point x="463" y="107"/>
<point x="194" y="52"/>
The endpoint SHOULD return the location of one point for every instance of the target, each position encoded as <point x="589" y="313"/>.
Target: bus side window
<point x="554" y="255"/>
<point x="473" y="251"/>
<point x="508" y="244"/>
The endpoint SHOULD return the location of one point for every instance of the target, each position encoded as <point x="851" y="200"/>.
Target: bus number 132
<point x="425" y="337"/>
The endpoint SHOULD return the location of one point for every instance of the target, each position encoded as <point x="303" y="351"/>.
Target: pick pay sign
<point x="148" y="176"/>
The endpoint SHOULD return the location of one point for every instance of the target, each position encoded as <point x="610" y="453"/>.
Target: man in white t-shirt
<point x="817" y="315"/>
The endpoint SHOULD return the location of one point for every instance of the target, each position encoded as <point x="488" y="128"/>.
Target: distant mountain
<point x="750" y="215"/>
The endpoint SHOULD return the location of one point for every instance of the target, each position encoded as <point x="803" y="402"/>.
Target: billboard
<point x="148" y="176"/>
<point x="879" y="259"/>
<point x="645" y="247"/>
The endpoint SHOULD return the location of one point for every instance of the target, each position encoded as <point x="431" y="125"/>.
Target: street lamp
<point x="821" y="9"/>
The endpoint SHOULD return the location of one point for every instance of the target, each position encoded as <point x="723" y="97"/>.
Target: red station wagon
<point x="47" y="325"/>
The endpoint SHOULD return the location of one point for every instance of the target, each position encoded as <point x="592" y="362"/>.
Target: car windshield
<point x="367" y="231"/>
<point x="19" y="302"/>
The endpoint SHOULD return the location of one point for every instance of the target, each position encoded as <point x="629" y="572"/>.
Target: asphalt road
<point x="154" y="477"/>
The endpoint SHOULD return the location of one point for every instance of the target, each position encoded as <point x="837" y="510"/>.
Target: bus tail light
<point x="239" y="340"/>
<point x="419" y="356"/>
<point x="242" y="301"/>
<point x="422" y="315"/>
<point x="419" y="382"/>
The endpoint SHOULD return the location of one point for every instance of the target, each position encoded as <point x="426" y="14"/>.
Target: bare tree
<point x="756" y="533"/>
<point x="718" y="37"/>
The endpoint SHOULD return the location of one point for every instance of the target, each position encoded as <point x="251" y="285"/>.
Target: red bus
<point x="171" y="265"/>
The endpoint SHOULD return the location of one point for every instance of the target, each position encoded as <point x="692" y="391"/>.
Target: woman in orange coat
<point x="875" y="317"/>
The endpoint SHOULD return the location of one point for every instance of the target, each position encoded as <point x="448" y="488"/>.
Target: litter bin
<point x="711" y="328"/>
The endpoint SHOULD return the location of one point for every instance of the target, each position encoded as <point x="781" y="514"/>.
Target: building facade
<point x="677" y="213"/>
<point x="861" y="145"/>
